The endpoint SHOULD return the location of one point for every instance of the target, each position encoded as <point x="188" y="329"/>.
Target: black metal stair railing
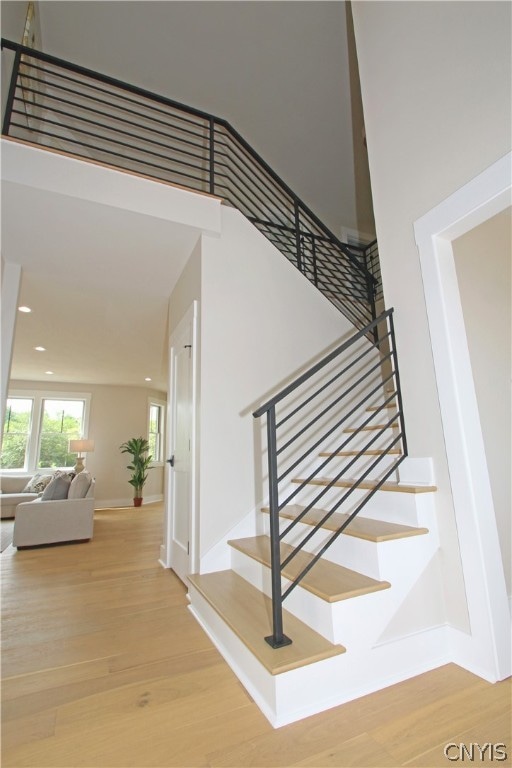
<point x="59" y="105"/>
<point x="356" y="381"/>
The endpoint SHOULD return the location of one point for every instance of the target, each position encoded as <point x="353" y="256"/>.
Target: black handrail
<point x="93" y="115"/>
<point x="308" y="402"/>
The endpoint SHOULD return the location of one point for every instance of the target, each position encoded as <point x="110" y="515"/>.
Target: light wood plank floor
<point x="104" y="666"/>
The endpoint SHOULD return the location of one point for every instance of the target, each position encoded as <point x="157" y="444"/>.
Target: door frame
<point x="189" y="319"/>
<point x="486" y="650"/>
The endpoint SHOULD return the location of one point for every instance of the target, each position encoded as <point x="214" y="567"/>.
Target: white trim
<point x="487" y="648"/>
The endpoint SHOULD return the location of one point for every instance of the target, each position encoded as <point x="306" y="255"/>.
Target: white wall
<point x="116" y="414"/>
<point x="483" y="264"/>
<point x="435" y="81"/>
<point x="261" y="322"/>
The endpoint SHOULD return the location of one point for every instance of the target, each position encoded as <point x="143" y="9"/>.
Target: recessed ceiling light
<point x="147" y="378"/>
<point x="24" y="309"/>
<point x="50" y="373"/>
<point x="40" y="349"/>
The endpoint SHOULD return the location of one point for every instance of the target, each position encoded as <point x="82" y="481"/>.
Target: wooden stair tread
<point x="369" y="485"/>
<point x="248" y="613"/>
<point x="371" y="427"/>
<point x="376" y="452"/>
<point x="379" y="407"/>
<point x="327" y="580"/>
<point x="360" y="527"/>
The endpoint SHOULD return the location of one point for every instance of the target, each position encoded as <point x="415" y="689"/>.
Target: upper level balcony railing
<point x="59" y="105"/>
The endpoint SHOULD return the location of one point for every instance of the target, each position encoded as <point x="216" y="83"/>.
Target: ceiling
<point x="98" y="321"/>
<point x="277" y="71"/>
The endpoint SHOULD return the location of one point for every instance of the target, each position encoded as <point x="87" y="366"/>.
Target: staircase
<point x="306" y="616"/>
<point x="311" y="612"/>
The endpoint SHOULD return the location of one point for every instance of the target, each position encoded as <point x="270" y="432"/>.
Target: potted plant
<point x="138" y="447"/>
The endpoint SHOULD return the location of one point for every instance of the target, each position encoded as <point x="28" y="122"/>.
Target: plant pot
<point x="137" y="501"/>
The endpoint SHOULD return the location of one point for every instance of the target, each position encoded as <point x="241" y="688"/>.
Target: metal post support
<point x="313" y="253"/>
<point x="212" y="156"/>
<point x="297" y="234"/>
<point x="277" y="639"/>
<point x="11" y="94"/>
<point x="370" y="292"/>
<point x="397" y="383"/>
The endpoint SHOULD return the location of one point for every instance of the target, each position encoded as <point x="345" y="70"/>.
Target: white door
<point x="180" y="518"/>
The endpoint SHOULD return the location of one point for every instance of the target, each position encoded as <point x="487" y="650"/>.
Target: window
<point x="62" y="421"/>
<point x="38" y="428"/>
<point x="18" y="421"/>
<point x="156" y="430"/>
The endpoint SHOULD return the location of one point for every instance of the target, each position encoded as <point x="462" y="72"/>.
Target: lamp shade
<point x="81" y="446"/>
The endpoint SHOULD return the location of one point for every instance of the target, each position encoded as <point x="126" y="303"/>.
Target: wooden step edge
<point x="365" y="528"/>
<point x="393" y="452"/>
<point x="247" y="612"/>
<point x="379" y="407"/>
<point x="367" y="485"/>
<point x="370" y="428"/>
<point x="324" y="583"/>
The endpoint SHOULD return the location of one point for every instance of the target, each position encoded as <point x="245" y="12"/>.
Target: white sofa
<point x="12" y="493"/>
<point x="40" y="522"/>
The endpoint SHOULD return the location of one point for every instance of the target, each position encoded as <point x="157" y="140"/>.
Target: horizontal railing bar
<point x="344" y="496"/>
<point x="330" y="541"/>
<point x="233" y="170"/>
<point x="324" y="387"/>
<point x="302" y="232"/>
<point x="310" y="506"/>
<point x="32" y="53"/>
<point x="115" y="141"/>
<point x="325" y="489"/>
<point x="318" y="367"/>
<point x="240" y="176"/>
<point x="75" y="116"/>
<point x="109" y="152"/>
<point x="355" y="486"/>
<point x="93" y="85"/>
<point x="332" y="404"/>
<point x="328" y="460"/>
<point x="95" y="100"/>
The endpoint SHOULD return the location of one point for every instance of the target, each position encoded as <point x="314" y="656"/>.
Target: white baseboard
<point x="126" y="502"/>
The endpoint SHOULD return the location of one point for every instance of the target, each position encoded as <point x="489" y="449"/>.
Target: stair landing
<point x="248" y="613"/>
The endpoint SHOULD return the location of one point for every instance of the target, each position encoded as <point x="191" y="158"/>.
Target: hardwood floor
<point x="104" y="666"/>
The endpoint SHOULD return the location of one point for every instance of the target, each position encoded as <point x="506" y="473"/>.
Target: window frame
<point x="162" y="405"/>
<point x="38" y="397"/>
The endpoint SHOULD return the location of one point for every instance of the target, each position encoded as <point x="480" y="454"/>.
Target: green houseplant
<point x="138" y="447"/>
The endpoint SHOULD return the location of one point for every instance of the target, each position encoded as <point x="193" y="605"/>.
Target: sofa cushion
<point x="58" y="488"/>
<point x="80" y="485"/>
<point x="38" y="483"/>
<point x="14" y="483"/>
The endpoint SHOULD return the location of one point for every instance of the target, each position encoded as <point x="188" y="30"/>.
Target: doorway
<point x="486" y="651"/>
<point x="181" y="497"/>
